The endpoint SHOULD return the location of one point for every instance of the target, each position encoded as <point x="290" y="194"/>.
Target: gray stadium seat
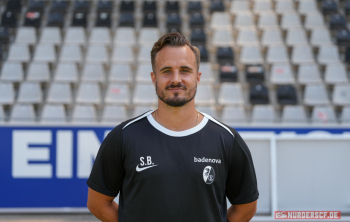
<point x="51" y="35"/>
<point x="296" y="36"/>
<point x="328" y="54"/>
<point x="247" y="37"/>
<point x="239" y="7"/>
<point x="26" y="35"/>
<point x="232" y="115"/>
<point x="210" y="110"/>
<point x="220" y="20"/>
<point x="271" y="36"/>
<point x="231" y="94"/>
<point x="294" y="114"/>
<point x="29" y="92"/>
<point x="309" y="73"/>
<point x="93" y="72"/>
<point x="143" y="73"/>
<point x="84" y="113"/>
<point x="323" y="115"/>
<point x="207" y="72"/>
<point x="19" y="52"/>
<point x="223" y="38"/>
<point x="276" y="54"/>
<point x="97" y="53"/>
<point x="75" y="35"/>
<point x="125" y="36"/>
<point x="114" y="114"/>
<point x="138" y="110"/>
<point x="320" y="36"/>
<point x="267" y="20"/>
<point x="66" y="72"/>
<point x="45" y="53"/>
<point x="251" y="55"/>
<point x="124" y="54"/>
<point x="281" y="74"/>
<point x="101" y="36"/>
<point x="59" y="93"/>
<point x="307" y="6"/>
<point x="53" y="113"/>
<point x="2" y="114"/>
<point x="314" y="20"/>
<point x="39" y="72"/>
<point x="148" y="36"/>
<point x="244" y="20"/>
<point x="315" y="94"/>
<point x="117" y="94"/>
<point x="11" y="71"/>
<point x="263" y="114"/>
<point x="120" y="73"/>
<point x="22" y="113"/>
<point x="89" y="93"/>
<point x="262" y="6"/>
<point x="341" y="94"/>
<point x="335" y="73"/>
<point x="284" y="6"/>
<point x="144" y="54"/>
<point x="71" y="53"/>
<point x="290" y="20"/>
<point x="7" y="93"/>
<point x="302" y="54"/>
<point x="145" y="94"/>
<point x="345" y="115"/>
<point x="204" y="95"/>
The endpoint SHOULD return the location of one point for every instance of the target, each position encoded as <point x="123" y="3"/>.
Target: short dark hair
<point x="174" y="39"/>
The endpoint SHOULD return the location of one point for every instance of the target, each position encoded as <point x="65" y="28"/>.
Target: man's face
<point x="176" y="75"/>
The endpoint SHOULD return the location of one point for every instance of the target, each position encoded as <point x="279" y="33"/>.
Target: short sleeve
<point x="107" y="173"/>
<point x="241" y="184"/>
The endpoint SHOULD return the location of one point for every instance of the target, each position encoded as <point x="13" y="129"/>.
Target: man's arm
<point x="103" y="207"/>
<point x="241" y="212"/>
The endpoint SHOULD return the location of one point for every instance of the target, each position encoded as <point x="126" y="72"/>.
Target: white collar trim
<point x="168" y="132"/>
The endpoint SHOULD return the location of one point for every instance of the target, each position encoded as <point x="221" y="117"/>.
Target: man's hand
<point x="103" y="207"/>
<point x="241" y="212"/>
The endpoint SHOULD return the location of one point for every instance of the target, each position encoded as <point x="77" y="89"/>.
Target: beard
<point x="176" y="101"/>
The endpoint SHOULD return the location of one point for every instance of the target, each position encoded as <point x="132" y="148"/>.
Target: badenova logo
<point x="207" y="160"/>
<point x="208" y="174"/>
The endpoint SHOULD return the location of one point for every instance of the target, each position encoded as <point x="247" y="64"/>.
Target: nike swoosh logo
<point x="144" y="168"/>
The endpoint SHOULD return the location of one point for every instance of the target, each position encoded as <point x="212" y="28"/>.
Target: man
<point x="173" y="163"/>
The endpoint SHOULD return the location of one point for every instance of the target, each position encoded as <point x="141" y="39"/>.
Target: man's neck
<point x="177" y="118"/>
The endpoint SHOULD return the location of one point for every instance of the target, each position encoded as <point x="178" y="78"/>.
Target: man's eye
<point x="166" y="71"/>
<point x="185" y="70"/>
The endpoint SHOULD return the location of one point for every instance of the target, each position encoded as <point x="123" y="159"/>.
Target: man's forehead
<point x="176" y="54"/>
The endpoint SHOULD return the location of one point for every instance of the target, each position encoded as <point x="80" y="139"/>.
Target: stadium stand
<point x="266" y="61"/>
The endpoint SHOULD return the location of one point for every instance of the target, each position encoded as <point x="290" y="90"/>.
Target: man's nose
<point x="176" y="77"/>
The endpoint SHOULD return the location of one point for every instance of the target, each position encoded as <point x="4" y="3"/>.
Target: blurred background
<point x="275" y="70"/>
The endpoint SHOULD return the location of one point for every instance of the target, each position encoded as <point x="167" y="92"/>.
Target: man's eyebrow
<point x="182" y="67"/>
<point x="186" y="67"/>
<point x="164" y="68"/>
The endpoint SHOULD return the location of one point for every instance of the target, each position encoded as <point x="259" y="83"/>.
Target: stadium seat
<point x="144" y="54"/>
<point x="281" y="74"/>
<point x="194" y="6"/>
<point x="320" y="36"/>
<point x="19" y="53"/>
<point x="290" y="20"/>
<point x="9" y="19"/>
<point x="220" y="20"/>
<point x="126" y="6"/>
<point x="26" y="35"/>
<point x="14" y="6"/>
<point x="123" y="54"/>
<point x="12" y="71"/>
<point x="139" y="110"/>
<point x="2" y="114"/>
<point x="4" y="36"/>
<point x="53" y="113"/>
<point x="341" y="94"/>
<point x="228" y="73"/>
<point x="323" y="115"/>
<point x="79" y="19"/>
<point x="45" y="53"/>
<point x="22" y="113"/>
<point x="7" y="93"/>
<point x="345" y="115"/>
<point x="84" y="113"/>
<point x="172" y="7"/>
<point x="239" y="7"/>
<point x="29" y="92"/>
<point x="328" y="54"/>
<point x="204" y="95"/>
<point x="173" y="22"/>
<point x="335" y="73"/>
<point x="143" y="73"/>
<point x="314" y="20"/>
<point x="59" y="93"/>
<point x="148" y="36"/>
<point x="75" y="35"/>
<point x="100" y="35"/>
<point x="149" y="6"/>
<point x="217" y="6"/>
<point x="309" y="73"/>
<point x="81" y="6"/>
<point x="198" y="37"/>
<point x="126" y="19"/>
<point x="276" y="54"/>
<point x="267" y="20"/>
<point x="255" y="73"/>
<point x="66" y="72"/>
<point x="55" y="19"/>
<point x="145" y="94"/>
<point x="251" y="55"/>
<point x="210" y="110"/>
<point x="294" y="114"/>
<point x="329" y="7"/>
<point x="114" y="114"/>
<point x="231" y="94"/>
<point x="59" y="6"/>
<point x="347" y="8"/>
<point x="97" y="53"/>
<point x="307" y="6"/>
<point x="247" y="37"/>
<point x="225" y="55"/>
<point x="117" y="94"/>
<point x="263" y="114"/>
<point x="302" y="54"/>
<point x="315" y="94"/>
<point x="204" y="53"/>
<point x="262" y="6"/>
<point x="223" y="38"/>
<point x="50" y="35"/>
<point x="244" y="20"/>
<point x="296" y="37"/>
<point x="125" y="36"/>
<point x="103" y="19"/>
<point x="150" y="20"/>
<point x="207" y="72"/>
<point x="337" y="21"/>
<point x="33" y="19"/>
<point x="232" y="115"/>
<point x="93" y="72"/>
<point x="343" y="37"/>
<point x="286" y="94"/>
<point x="36" y="5"/>
<point x="259" y="94"/>
<point x="284" y="6"/>
<point x="71" y="53"/>
<point x="38" y="72"/>
<point x="271" y="36"/>
<point x="88" y="93"/>
<point x="197" y="21"/>
<point x="120" y="73"/>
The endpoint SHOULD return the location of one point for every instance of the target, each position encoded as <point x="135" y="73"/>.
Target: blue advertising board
<point x="47" y="166"/>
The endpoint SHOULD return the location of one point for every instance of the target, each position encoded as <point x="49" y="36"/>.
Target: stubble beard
<point x="176" y="101"/>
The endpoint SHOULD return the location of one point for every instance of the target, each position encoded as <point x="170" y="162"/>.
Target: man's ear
<point x="153" y="77"/>
<point x="199" y="74"/>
